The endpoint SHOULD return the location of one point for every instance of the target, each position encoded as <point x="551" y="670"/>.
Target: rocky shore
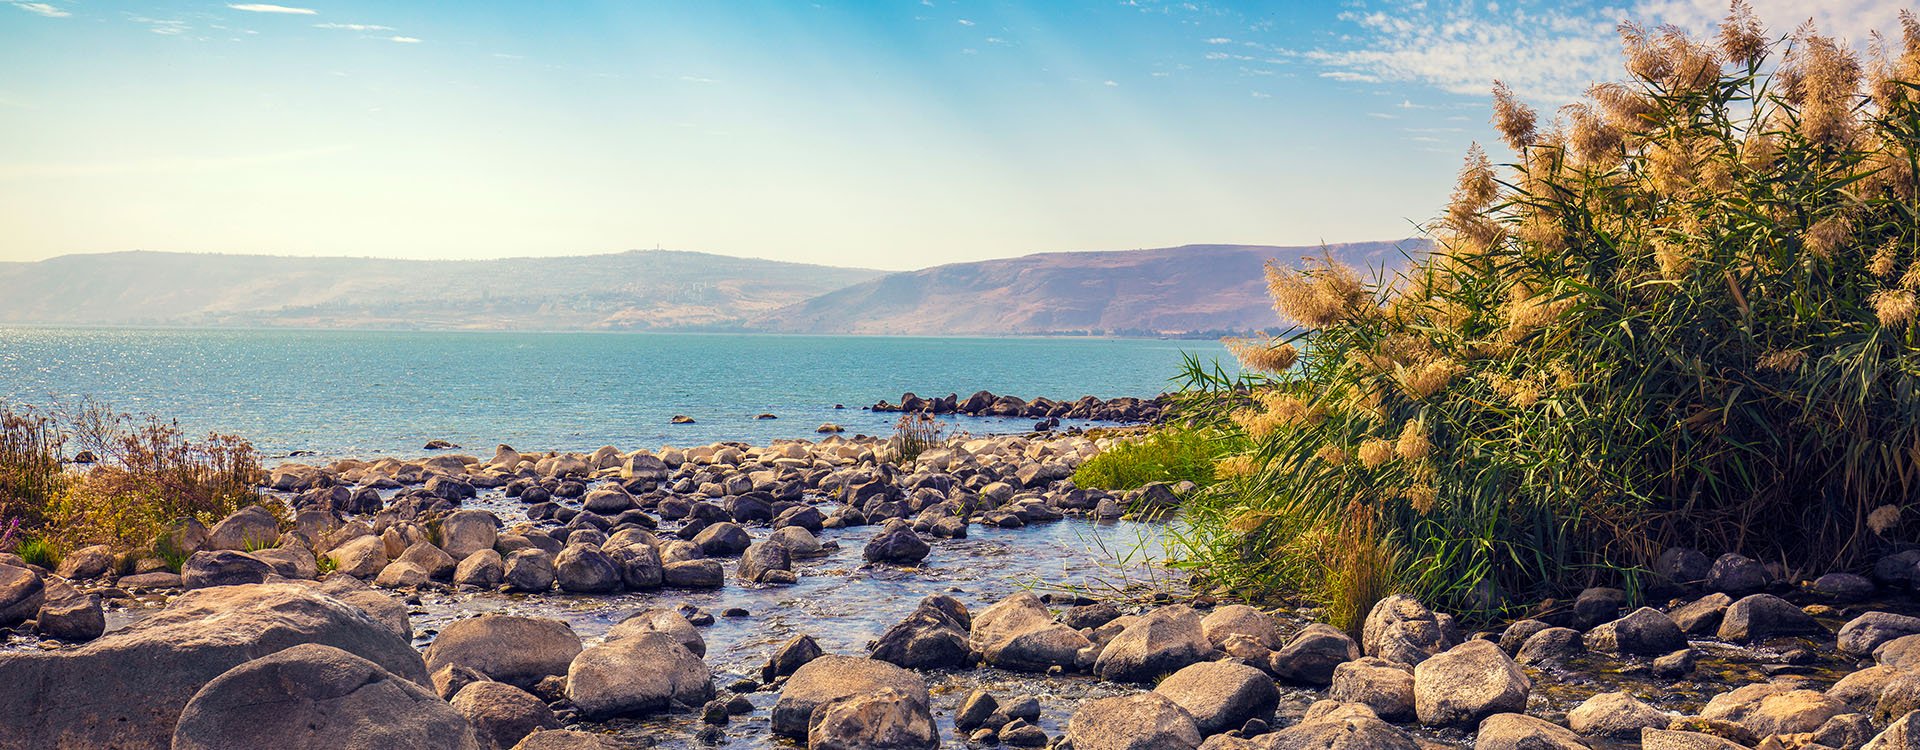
<point x="424" y="603"/>
<point x="1124" y="409"/>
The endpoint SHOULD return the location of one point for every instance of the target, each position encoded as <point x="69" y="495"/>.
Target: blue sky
<point x="880" y="134"/>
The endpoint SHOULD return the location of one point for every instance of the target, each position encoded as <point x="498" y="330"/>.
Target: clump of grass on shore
<point x="1685" y="315"/>
<point x="915" y="433"/>
<point x="1165" y="455"/>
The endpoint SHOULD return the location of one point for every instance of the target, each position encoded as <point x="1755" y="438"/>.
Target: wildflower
<point x="1413" y="444"/>
<point x="1742" y="37"/>
<point x="1895" y="307"/>
<point x="1883" y="519"/>
<point x="1827" y="235"/>
<point x="1421" y="497"/>
<point x="1781" y="360"/>
<point x="1884" y="259"/>
<point x="1332" y="455"/>
<point x="1263" y="356"/>
<point x="1375" y="451"/>
<point x="1425" y="379"/>
<point x="1514" y="120"/>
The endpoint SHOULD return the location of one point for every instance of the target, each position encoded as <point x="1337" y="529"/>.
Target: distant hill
<point x="1168" y="291"/>
<point x="641" y="289"/>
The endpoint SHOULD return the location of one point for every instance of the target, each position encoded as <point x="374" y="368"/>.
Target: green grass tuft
<point x="1166" y="455"/>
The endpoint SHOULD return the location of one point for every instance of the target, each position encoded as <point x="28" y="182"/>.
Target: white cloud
<point x="1349" y="76"/>
<point x="698" y="79"/>
<point x="271" y="8"/>
<point x="1110" y="83"/>
<point x="353" y="26"/>
<point x="162" y="26"/>
<point x="404" y="39"/>
<point x="1219" y="40"/>
<point x="965" y="22"/>
<point x="1381" y="116"/>
<point x="1262" y="95"/>
<point x="42" y="9"/>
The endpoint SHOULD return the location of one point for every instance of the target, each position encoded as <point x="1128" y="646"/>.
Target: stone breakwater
<point x="252" y="645"/>
<point x="1125" y="409"/>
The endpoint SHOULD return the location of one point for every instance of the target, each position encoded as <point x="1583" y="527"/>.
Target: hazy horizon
<point x="850" y="134"/>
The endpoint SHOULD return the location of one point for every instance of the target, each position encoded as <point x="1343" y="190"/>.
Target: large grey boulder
<point x="315" y="697"/>
<point x="464" y="532"/>
<point x="251" y="527"/>
<point x="585" y="569"/>
<point x="694" y="574"/>
<point x="931" y="637"/>
<point x="1382" y="685"/>
<point x="1616" y="715"/>
<point x="1467" y="683"/>
<point x="1902" y="734"/>
<point x="1645" y="631"/>
<point x="1763" y="616"/>
<point x="516" y="650"/>
<point x="223" y="568"/>
<point x="1670" y="739"/>
<point x="74" y="618"/>
<point x="641" y="674"/>
<point x="885" y="719"/>
<point x="22" y="591"/>
<point x="484" y="570"/>
<point x="1310" y="657"/>
<point x="127" y="689"/>
<point x="1018" y="633"/>
<point x="87" y="562"/>
<point x="362" y="557"/>
<point x="1331" y="725"/>
<point x="829" y="677"/>
<point x="502" y="714"/>
<point x="1220" y="695"/>
<point x="529" y="570"/>
<point x="1521" y="732"/>
<point x="1782" y="707"/>
<point x="568" y="739"/>
<point x="292" y="561"/>
<point x="763" y="561"/>
<point x="1400" y="628"/>
<point x="1157" y="643"/>
<point x="1737" y="575"/>
<point x="1240" y="619"/>
<point x="896" y="542"/>
<point x="1863" y="634"/>
<point x="1144" y="721"/>
<point x="660" y="620"/>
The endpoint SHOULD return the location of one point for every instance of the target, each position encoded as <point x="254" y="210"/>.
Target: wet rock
<point x="1861" y="690"/>
<point x="585" y="569"/>
<point x="1842" y="587"/>
<point x="1020" y="733"/>
<point x="1673" y="665"/>
<point x="790" y="657"/>
<point x="1311" y="656"/>
<point x="86" y="562"/>
<point x="436" y="562"/>
<point x="464" y="532"/>
<point x="1843" y="731"/>
<point x="1646" y="632"/>
<point x="1773" y="708"/>
<point x="1522" y="732"/>
<point x="512" y="649"/>
<point x="975" y="710"/>
<point x="896" y="543"/>
<point x="1702" y="616"/>
<point x="250" y="527"/>
<point x="1900" y="653"/>
<point x="222" y="568"/>
<point x="1234" y="619"/>
<point x="1159" y="642"/>
<point x="1898" y="695"/>
<point x="762" y="558"/>
<point x="929" y="638"/>
<point x="1597" y="605"/>
<point x="1668" y="739"/>
<point x="830" y="677"/>
<point x="642" y="674"/>
<point x="1763" y="616"/>
<point x="127" y="688"/>
<point x="21" y="593"/>
<point x="317" y="696"/>
<point x="1737" y="575"/>
<point x="1863" y="634"/>
<point x="1467" y="683"/>
<point x="1145" y="721"/>
<point x="694" y="574"/>
<point x="1550" y="646"/>
<point x="799" y="542"/>
<point x="661" y="620"/>
<point x="401" y="574"/>
<point x="1616" y="715"/>
<point x="484" y="569"/>
<point x="1018" y="633"/>
<point x="1400" y="628"/>
<point x="1219" y="695"/>
<point x="1094" y="615"/>
<point x="1516" y="635"/>
<point x="886" y="719"/>
<point x="568" y="739"/>
<point x="1330" y="725"/>
<point x="528" y="570"/>
<point x="723" y="539"/>
<point x="502" y="714"/>
<point x="1683" y="565"/>
<point x="74" y="619"/>
<point x="1382" y="685"/>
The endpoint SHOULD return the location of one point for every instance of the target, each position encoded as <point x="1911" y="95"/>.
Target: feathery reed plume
<point x="1629" y="110"/>
<point x="1883" y="519"/>
<point x="1895" y="307"/>
<point x="1317" y="297"/>
<point x="1781" y="360"/>
<point x="1413" y="444"/>
<point x="1236" y="467"/>
<point x="1595" y="142"/>
<point x="1422" y="380"/>
<point x="1824" y="80"/>
<point x="1332" y="455"/>
<point x="1692" y="66"/>
<point x="1742" y="37"/>
<point x="1884" y="259"/>
<point x="1421" y="497"/>
<point x="1375" y="451"/>
<point x="1514" y="120"/>
<point x="1263" y="354"/>
<point x="1645" y="59"/>
<point x="1520" y="392"/>
<point x="1827" y="236"/>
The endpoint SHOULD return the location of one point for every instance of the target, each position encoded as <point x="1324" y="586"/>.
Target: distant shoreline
<point x="1190" y="336"/>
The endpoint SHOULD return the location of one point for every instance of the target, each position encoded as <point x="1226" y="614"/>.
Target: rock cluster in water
<point x="1125" y="409"/>
<point x="260" y="649"/>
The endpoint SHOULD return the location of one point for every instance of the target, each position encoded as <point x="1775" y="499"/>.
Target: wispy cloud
<point x="1110" y="83"/>
<point x="965" y="22"/>
<point x="697" y="79"/>
<point x="271" y="8"/>
<point x="42" y="9"/>
<point x="1219" y="40"/>
<point x="1350" y="76"/>
<point x="162" y="26"/>
<point x="404" y="39"/>
<point x="353" y="26"/>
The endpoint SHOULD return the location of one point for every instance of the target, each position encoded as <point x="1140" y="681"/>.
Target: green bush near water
<point x="1685" y="316"/>
<point x="1164" y="455"/>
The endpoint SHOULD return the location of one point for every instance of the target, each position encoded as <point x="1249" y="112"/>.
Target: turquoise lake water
<point x="363" y="393"/>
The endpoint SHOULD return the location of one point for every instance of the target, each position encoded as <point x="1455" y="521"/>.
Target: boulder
<point x="1467" y="683"/>
<point x="1683" y="565"/>
<point x="127" y="688"/>
<point x="21" y="593"/>
<point x="222" y="568"/>
<point x="645" y="673"/>
<point x="1668" y="739"/>
<point x="1381" y="685"/>
<point x="1783" y="707"/>
<point x="829" y="677"/>
<point x="252" y="527"/>
<point x="1523" y="732"/>
<point x="1516" y="634"/>
<point x="896" y="543"/>
<point x="1220" y="695"/>
<point x="885" y="719"/>
<point x="1018" y="633"/>
<point x="484" y="569"/>
<point x="318" y="697"/>
<point x="87" y="562"/>
<point x="568" y="739"/>
<point x="723" y="539"/>
<point x="585" y="569"/>
<point x="1842" y="587"/>
<point x="1762" y="616"/>
<point x="1237" y="619"/>
<point x="1400" y="628"/>
<point x="1646" y="632"/>
<point x="1702" y="616"/>
<point x="363" y="557"/>
<point x="448" y="681"/>
<point x="74" y="619"/>
<point x="661" y="620"/>
<point x="464" y="532"/>
<point x="1737" y="575"/>
<point x="401" y="574"/>
<point x="1616" y="715"/>
<point x="516" y="650"/>
<point x="528" y="570"/>
<point x="1311" y="656"/>
<point x="640" y="567"/>
<point x="929" y="638"/>
<point x="1330" y="725"/>
<point x="1598" y="604"/>
<point x="694" y="574"/>
<point x="292" y="561"/>
<point x="762" y="558"/>
<point x="438" y="565"/>
<point x="790" y="657"/>
<point x="1153" y="645"/>
<point x="1144" y="721"/>
<point x="1861" y="635"/>
<point x="1550" y="646"/>
<point x="1902" y="734"/>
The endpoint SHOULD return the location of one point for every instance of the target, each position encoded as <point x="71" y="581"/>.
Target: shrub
<point x="1170" y="454"/>
<point x="915" y="433"/>
<point x="30" y="472"/>
<point x="38" y="552"/>
<point x="1685" y="315"/>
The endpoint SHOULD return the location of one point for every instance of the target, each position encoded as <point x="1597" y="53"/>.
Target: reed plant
<point x="915" y="433"/>
<point x="1683" y="314"/>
